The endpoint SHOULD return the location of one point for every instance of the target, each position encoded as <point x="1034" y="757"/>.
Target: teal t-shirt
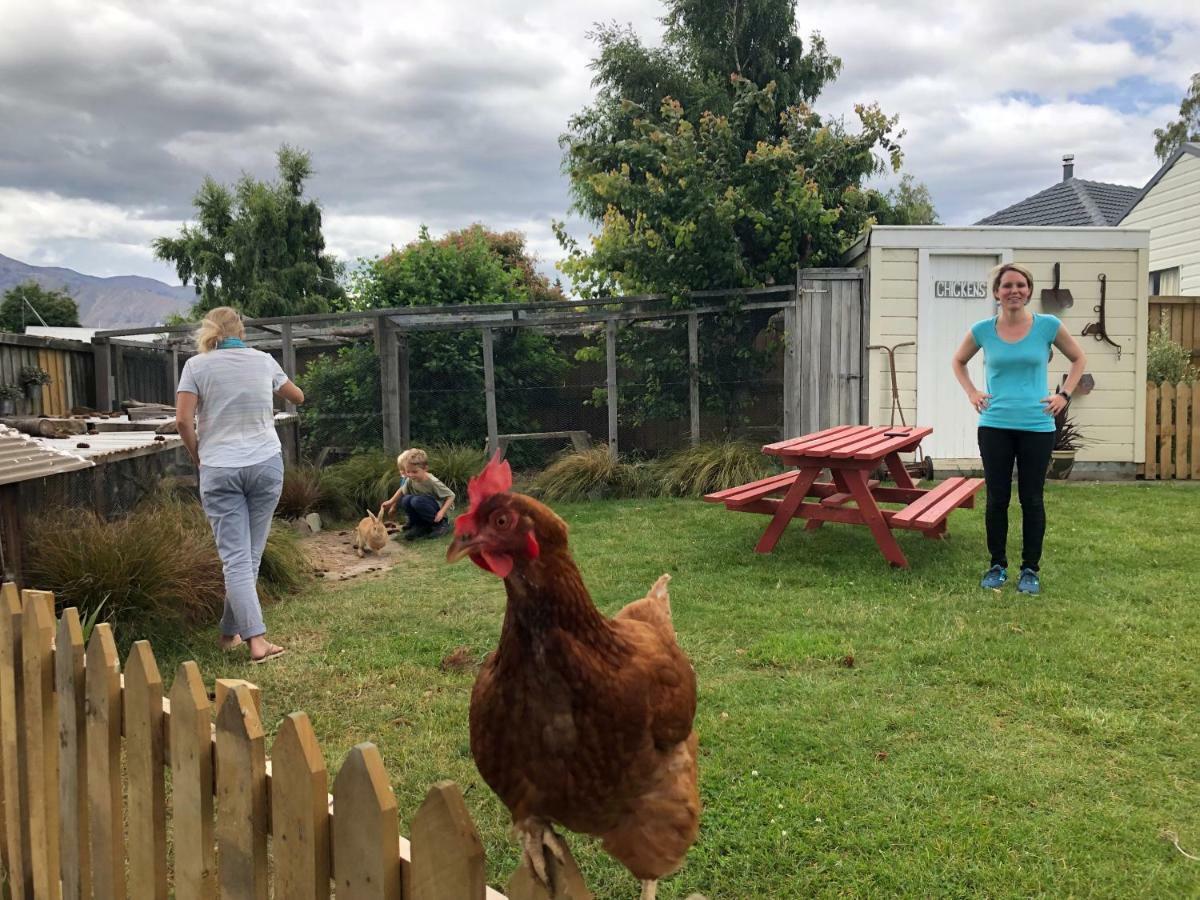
<point x="1017" y="375"/>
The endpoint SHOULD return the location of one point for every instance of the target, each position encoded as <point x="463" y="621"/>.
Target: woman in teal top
<point x="1016" y="415"/>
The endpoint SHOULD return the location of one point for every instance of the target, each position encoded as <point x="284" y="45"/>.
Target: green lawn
<point x="865" y="732"/>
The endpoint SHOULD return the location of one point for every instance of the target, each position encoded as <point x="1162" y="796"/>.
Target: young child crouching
<point x="423" y="498"/>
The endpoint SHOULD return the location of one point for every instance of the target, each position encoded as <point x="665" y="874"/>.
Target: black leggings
<point x="1000" y="447"/>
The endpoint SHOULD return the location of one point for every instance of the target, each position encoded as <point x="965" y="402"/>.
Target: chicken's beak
<point x="462" y="545"/>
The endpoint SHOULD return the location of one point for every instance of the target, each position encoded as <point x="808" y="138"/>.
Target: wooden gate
<point x="825" y="365"/>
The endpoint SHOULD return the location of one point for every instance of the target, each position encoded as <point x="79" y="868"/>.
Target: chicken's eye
<point x="501" y="520"/>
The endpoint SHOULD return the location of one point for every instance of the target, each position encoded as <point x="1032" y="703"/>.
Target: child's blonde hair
<point x="220" y="323"/>
<point x="415" y="457"/>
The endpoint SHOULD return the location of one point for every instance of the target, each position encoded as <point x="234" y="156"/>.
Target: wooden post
<point x="288" y="351"/>
<point x="106" y="818"/>
<point x="102" y="351"/>
<point x="174" y="371"/>
<point x="385" y="338"/>
<point x="41" y="728"/>
<point x="610" y="346"/>
<point x="405" y="393"/>
<point x="144" y="755"/>
<point x="791" y="364"/>
<point x="120" y="382"/>
<point x="489" y="391"/>
<point x="299" y="812"/>
<point x="447" y="854"/>
<point x="694" y="374"/>
<point x="12" y="722"/>
<point x="192" y="786"/>
<point x="366" y="832"/>
<point x="10" y="529"/>
<point x="241" y="798"/>
<point x="72" y="784"/>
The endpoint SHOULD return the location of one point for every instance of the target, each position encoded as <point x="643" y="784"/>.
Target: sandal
<point x="274" y="653"/>
<point x="231" y="645"/>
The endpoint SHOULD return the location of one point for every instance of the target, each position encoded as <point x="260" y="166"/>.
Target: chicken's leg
<point x="649" y="889"/>
<point x="537" y="835"/>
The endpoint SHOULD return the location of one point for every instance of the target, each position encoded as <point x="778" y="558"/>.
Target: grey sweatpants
<point x="239" y="503"/>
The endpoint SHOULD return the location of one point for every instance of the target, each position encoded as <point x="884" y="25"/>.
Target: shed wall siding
<point x="1172" y="213"/>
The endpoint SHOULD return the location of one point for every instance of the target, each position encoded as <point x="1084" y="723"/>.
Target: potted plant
<point x="33" y="377"/>
<point x="1068" y="438"/>
<point x="9" y="395"/>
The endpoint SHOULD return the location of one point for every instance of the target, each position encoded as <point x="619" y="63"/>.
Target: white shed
<point x="928" y="284"/>
<point x="1169" y="205"/>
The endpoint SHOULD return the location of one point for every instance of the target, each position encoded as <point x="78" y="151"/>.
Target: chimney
<point x="1068" y="166"/>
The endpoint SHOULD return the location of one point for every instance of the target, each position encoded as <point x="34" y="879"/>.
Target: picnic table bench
<point x="850" y="453"/>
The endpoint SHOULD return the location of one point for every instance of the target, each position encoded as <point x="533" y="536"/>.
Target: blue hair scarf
<point x="230" y="343"/>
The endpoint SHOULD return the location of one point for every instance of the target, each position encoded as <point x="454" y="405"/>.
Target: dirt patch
<point x="335" y="559"/>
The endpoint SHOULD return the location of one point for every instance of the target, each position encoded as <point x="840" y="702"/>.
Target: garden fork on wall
<point x="923" y="465"/>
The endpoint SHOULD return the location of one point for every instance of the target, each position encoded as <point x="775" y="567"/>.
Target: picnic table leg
<point x="787" y="508"/>
<point x="896" y="469"/>
<point x="873" y="518"/>
<point x="840" y="482"/>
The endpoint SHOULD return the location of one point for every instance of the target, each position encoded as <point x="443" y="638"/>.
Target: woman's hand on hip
<point x="979" y="400"/>
<point x="1054" y="404"/>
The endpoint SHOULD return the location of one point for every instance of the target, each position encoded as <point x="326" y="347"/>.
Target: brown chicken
<point x="576" y="718"/>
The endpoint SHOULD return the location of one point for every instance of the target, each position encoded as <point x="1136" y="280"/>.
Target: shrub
<point x="359" y="483"/>
<point x="455" y="465"/>
<point x="152" y="573"/>
<point x="590" y="475"/>
<point x="33" y="375"/>
<point x="1168" y="361"/>
<point x="301" y="491"/>
<point x="712" y="467"/>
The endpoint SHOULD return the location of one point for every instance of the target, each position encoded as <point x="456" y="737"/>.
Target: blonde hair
<point x="998" y="273"/>
<point x="415" y="457"/>
<point x="220" y="323"/>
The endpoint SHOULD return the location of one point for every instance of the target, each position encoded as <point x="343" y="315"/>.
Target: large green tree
<point x="257" y="246"/>
<point x="472" y="266"/>
<point x="909" y="203"/>
<point x="1186" y="128"/>
<point x="54" y="307"/>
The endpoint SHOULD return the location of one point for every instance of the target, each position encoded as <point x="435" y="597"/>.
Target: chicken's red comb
<point x="496" y="478"/>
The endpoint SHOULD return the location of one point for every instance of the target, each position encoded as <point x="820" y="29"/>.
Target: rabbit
<point x="370" y="534"/>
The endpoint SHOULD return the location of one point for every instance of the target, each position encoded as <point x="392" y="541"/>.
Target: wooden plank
<point x="105" y="801"/>
<point x="12" y="717"/>
<point x="1151" y="466"/>
<point x="143" y="712"/>
<point x="190" y="729"/>
<point x="1183" y="411"/>
<point x="287" y="352"/>
<point x="693" y="328"/>
<point x="610" y="357"/>
<point x="1166" y="430"/>
<point x="404" y="389"/>
<point x="41" y="726"/>
<point x="366" y="833"/>
<point x="754" y="489"/>
<point x="911" y="512"/>
<point x="489" y="389"/>
<point x="385" y="338"/>
<point x="1194" y="440"/>
<point x="241" y="769"/>
<point x="949" y="501"/>
<point x="74" y="840"/>
<point x="447" y="854"/>
<point x="787" y="508"/>
<point x="299" y="812"/>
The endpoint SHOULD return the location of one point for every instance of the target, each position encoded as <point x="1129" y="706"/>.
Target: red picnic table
<point x="851" y="453"/>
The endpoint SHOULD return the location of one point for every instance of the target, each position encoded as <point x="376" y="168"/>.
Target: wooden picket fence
<point x="78" y="736"/>
<point x="1172" y="430"/>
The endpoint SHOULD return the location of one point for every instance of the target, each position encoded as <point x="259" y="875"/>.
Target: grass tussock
<point x="302" y="492"/>
<point x="152" y="573"/>
<point x="712" y="467"/>
<point x="592" y="474"/>
<point x="357" y="484"/>
<point x="455" y="465"/>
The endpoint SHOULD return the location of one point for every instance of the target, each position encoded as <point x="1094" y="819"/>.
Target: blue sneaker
<point x="994" y="578"/>
<point x="1028" y="583"/>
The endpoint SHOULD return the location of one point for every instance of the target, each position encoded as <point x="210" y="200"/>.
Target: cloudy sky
<point x="448" y="113"/>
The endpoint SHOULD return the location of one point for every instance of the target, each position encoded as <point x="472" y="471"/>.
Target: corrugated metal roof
<point x="23" y="457"/>
<point x="110" y="446"/>
<point x="1072" y="202"/>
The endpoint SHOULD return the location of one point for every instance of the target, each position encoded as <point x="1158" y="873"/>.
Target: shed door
<point x="954" y="295"/>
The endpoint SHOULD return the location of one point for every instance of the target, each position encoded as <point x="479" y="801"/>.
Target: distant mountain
<point x="117" y="302"/>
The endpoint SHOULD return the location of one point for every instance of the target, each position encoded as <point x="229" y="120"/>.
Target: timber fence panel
<point x="1166" y="429"/>
<point x="41" y="727"/>
<point x="1172" y="430"/>
<point x="143" y="711"/>
<point x="1183" y="411"/>
<point x="75" y="864"/>
<point x="12" y="717"/>
<point x="1150" y="468"/>
<point x="299" y="812"/>
<point x="105" y="801"/>
<point x="192" y="786"/>
<point x="447" y="854"/>
<point x="241" y="764"/>
<point x="366" y="832"/>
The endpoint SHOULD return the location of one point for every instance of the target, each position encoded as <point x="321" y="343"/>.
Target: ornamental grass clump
<point x="302" y="492"/>
<point x="591" y="474"/>
<point x="152" y="573"/>
<point x="712" y="467"/>
<point x="455" y="465"/>
<point x="359" y="483"/>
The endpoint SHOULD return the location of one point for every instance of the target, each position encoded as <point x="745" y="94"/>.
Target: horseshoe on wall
<point x="1096" y="329"/>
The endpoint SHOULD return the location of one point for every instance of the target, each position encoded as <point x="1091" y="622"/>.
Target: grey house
<point x="1072" y="202"/>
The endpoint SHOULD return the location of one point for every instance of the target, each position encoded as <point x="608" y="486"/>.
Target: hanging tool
<point x="922" y="467"/>
<point x="1096" y="329"/>
<point x="1055" y="296"/>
